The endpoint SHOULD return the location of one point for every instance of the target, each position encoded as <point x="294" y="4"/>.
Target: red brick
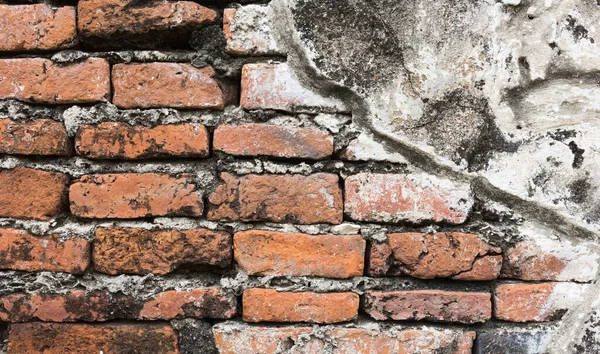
<point x="131" y="195"/>
<point x="534" y="302"/>
<point x="112" y="140"/>
<point x="32" y="194"/>
<point x="443" y="255"/>
<point x="414" y="199"/>
<point x="37" y="27"/>
<point x="273" y="86"/>
<point x="429" y="305"/>
<point x="269" y="305"/>
<point x="20" y="250"/>
<point x="279" y="198"/>
<point x="140" y="251"/>
<point x="39" y="80"/>
<point x="113" y="24"/>
<point x="166" y="85"/>
<point x="235" y="339"/>
<point x="276" y="253"/>
<point x="248" y="31"/>
<point x="63" y="338"/>
<point x="273" y="140"/>
<point x="196" y="303"/>
<point x="38" y="137"/>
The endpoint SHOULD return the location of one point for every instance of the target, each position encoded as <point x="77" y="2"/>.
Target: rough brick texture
<point x="273" y="140"/>
<point x="61" y="338"/>
<point x="532" y="302"/>
<point x="32" y="194"/>
<point x="456" y="255"/>
<point x="112" y="140"/>
<point x="288" y="198"/>
<point x="166" y="85"/>
<point x="196" y="303"/>
<point x="37" y="27"/>
<point x="37" y="137"/>
<point x="127" y="196"/>
<point x="276" y="253"/>
<point x="42" y="81"/>
<point x="431" y="305"/>
<point x="247" y="30"/>
<point x="20" y="250"/>
<point x="404" y="198"/>
<point x="269" y="305"/>
<point x="141" y="251"/>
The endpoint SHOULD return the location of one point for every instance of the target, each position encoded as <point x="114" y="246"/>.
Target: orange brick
<point x="269" y="305"/>
<point x="20" y="250"/>
<point x="273" y="140"/>
<point x="279" y="198"/>
<point x="166" y="85"/>
<point x="196" y="303"/>
<point x="429" y="305"/>
<point x="131" y="195"/>
<point x="38" y="137"/>
<point x="39" y="80"/>
<point x="37" y="27"/>
<point x="63" y="338"/>
<point x="32" y="194"/>
<point x="277" y="253"/>
<point x="140" y="251"/>
<point x="111" y="140"/>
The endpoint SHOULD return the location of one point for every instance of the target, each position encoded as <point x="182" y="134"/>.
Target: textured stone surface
<point x="114" y="24"/>
<point x="273" y="86"/>
<point x="166" y="85"/>
<point x="127" y="196"/>
<point x="235" y="339"/>
<point x="60" y="338"/>
<point x="248" y="31"/>
<point x="457" y="255"/>
<point x="37" y="27"/>
<point x="32" y="194"/>
<point x="394" y="198"/>
<point x="38" y="137"/>
<point x="509" y="341"/>
<point x="273" y="140"/>
<point x="20" y="250"/>
<point x="280" y="198"/>
<point x="269" y="305"/>
<point x="140" y="251"/>
<point x="113" y="140"/>
<point x="429" y="305"/>
<point x="196" y="303"/>
<point x="276" y="253"/>
<point x="39" y="80"/>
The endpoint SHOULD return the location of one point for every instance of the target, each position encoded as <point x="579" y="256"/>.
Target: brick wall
<point x="169" y="184"/>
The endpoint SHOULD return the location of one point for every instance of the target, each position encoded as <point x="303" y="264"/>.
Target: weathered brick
<point x="236" y="339"/>
<point x="273" y="140"/>
<point x="32" y="194"/>
<point x="550" y="260"/>
<point x="37" y="27"/>
<point x="141" y="251"/>
<point x="113" y="140"/>
<point x="542" y="302"/>
<point x="511" y="340"/>
<point x="269" y="305"/>
<point x="196" y="303"/>
<point x="276" y="253"/>
<point x="38" y="137"/>
<point x="279" y="198"/>
<point x="248" y="31"/>
<point x="66" y="338"/>
<point x="366" y="148"/>
<point x="114" y="24"/>
<point x="174" y="85"/>
<point x="274" y="86"/>
<point x="414" y="199"/>
<point x="98" y="305"/>
<point x="429" y="305"/>
<point x="20" y="250"/>
<point x="39" y="80"/>
<point x="131" y="195"/>
<point x="457" y="255"/>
